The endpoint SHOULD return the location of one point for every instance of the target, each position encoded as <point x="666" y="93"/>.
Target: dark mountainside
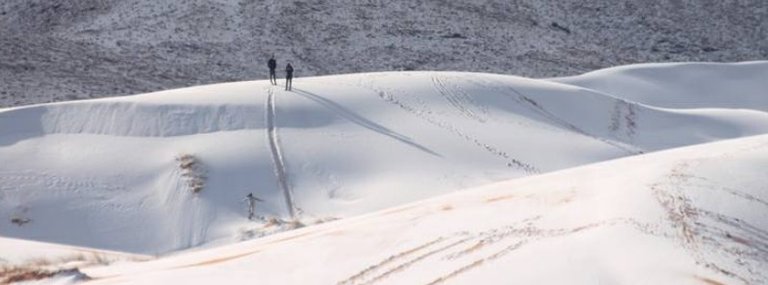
<point x="54" y="50"/>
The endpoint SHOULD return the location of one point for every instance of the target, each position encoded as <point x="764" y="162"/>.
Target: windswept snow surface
<point x="109" y="173"/>
<point x="695" y="215"/>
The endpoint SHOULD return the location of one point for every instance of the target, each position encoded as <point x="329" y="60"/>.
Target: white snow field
<point x="167" y="172"/>
<point x="695" y="215"/>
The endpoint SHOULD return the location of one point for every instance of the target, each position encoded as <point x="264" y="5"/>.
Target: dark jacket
<point x="289" y="71"/>
<point x="272" y="63"/>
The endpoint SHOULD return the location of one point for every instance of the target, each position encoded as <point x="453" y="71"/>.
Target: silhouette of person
<point x="272" y="64"/>
<point x="251" y="204"/>
<point x="288" y="76"/>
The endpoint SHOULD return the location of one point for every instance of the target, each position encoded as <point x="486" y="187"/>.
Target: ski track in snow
<point x="693" y="224"/>
<point x="460" y="100"/>
<point x="423" y="114"/>
<point x="361" y="121"/>
<point x="722" y="242"/>
<point x="277" y="156"/>
<point x="401" y="261"/>
<point x="359" y="277"/>
<point x="465" y="251"/>
<point x="534" y="106"/>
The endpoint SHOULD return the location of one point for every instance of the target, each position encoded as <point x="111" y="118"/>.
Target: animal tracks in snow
<point x="15" y="184"/>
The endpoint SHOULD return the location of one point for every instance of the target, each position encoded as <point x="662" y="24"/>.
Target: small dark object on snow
<point x="20" y="221"/>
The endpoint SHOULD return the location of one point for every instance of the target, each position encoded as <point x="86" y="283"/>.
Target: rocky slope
<point x="52" y="50"/>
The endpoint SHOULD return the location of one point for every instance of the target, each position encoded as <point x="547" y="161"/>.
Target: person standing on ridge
<point x="288" y="76"/>
<point x="251" y="204"/>
<point x="272" y="64"/>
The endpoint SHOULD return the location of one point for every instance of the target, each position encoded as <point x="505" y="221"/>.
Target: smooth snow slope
<point x="106" y="173"/>
<point x="693" y="85"/>
<point x="695" y="215"/>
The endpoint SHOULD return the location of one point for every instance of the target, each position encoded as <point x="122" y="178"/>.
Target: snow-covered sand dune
<point x="694" y="215"/>
<point x="167" y="171"/>
<point x="682" y="85"/>
<point x="18" y="252"/>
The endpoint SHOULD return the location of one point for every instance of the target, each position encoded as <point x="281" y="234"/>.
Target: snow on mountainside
<point x="162" y="172"/>
<point x="695" y="215"/>
<point x="65" y="50"/>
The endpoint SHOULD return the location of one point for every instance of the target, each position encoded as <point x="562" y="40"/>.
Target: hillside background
<point x="54" y="50"/>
